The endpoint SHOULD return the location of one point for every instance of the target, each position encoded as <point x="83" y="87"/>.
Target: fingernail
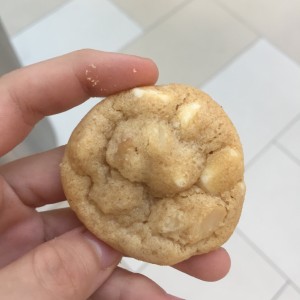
<point x="108" y="256"/>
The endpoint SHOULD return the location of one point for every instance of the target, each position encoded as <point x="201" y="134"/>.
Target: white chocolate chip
<point x="140" y="92"/>
<point x="206" y="177"/>
<point x="187" y="112"/>
<point x="233" y="152"/>
<point x="241" y="185"/>
<point x="180" y="182"/>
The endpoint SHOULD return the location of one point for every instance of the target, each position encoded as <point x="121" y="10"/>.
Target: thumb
<point x="71" y="266"/>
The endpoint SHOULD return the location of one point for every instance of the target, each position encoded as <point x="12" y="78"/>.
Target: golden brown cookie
<point x="157" y="173"/>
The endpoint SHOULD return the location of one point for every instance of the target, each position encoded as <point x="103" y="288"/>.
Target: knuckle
<point x="56" y="271"/>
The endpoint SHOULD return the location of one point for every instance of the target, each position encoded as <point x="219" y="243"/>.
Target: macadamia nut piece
<point x="223" y="170"/>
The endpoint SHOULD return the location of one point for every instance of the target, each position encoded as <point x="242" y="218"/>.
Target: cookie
<point x="157" y="173"/>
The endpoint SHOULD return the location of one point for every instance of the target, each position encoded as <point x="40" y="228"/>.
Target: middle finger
<point x="36" y="178"/>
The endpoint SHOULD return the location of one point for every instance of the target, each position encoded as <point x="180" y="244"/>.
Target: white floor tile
<point x="96" y="24"/>
<point x="79" y="24"/>
<point x="250" y="278"/>
<point x="133" y="264"/>
<point x="260" y="91"/>
<point x="271" y="211"/>
<point x="63" y="204"/>
<point x="277" y="20"/>
<point x="289" y="293"/>
<point x="146" y="12"/>
<point x="192" y="44"/>
<point x="290" y="139"/>
<point x="18" y="14"/>
<point x="63" y="124"/>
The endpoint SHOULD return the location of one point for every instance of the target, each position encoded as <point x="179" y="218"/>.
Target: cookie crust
<point x="157" y="173"/>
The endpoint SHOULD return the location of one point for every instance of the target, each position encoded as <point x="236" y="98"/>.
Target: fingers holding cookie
<point x="77" y="76"/>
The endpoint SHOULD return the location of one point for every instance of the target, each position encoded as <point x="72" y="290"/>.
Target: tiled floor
<point x="246" y="54"/>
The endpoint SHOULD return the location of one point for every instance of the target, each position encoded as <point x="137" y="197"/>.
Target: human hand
<point x="49" y="255"/>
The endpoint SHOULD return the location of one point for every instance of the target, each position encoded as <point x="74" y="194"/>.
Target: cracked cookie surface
<point x="157" y="173"/>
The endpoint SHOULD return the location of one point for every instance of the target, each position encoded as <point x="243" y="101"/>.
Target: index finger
<point x="56" y="85"/>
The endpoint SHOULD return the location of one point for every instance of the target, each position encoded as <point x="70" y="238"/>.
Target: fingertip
<point x="106" y="73"/>
<point x="147" y="62"/>
<point x="211" y="266"/>
<point x="154" y="70"/>
<point x="220" y="264"/>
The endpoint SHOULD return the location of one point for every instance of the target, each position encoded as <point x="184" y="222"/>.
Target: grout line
<point x="173" y="12"/>
<point x="169" y="14"/>
<point x="288" y="126"/>
<point x="158" y="22"/>
<point x="270" y="262"/>
<point x="287" y="152"/>
<point x="258" y="155"/>
<point x="239" y="18"/>
<point x="283" y="288"/>
<point x="262" y="254"/>
<point x="40" y="18"/>
<point x="242" y="51"/>
<point x="255" y="30"/>
<point x="296" y="287"/>
<point x="273" y="141"/>
<point x="280" y="291"/>
<point x="229" y="62"/>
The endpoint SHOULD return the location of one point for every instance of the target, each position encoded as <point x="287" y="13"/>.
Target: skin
<point x="50" y="255"/>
